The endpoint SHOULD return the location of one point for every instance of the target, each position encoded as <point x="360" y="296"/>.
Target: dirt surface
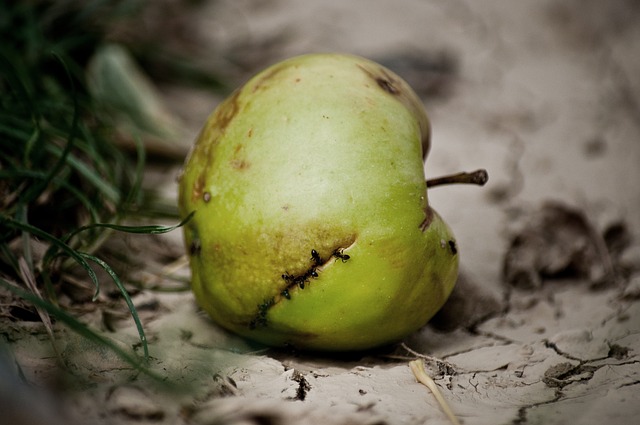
<point x="544" y="326"/>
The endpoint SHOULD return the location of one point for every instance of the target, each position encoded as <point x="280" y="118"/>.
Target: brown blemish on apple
<point x="262" y="83"/>
<point x="394" y="86"/>
<point x="238" y="162"/>
<point x="385" y="81"/>
<point x="428" y="218"/>
<point x="225" y="113"/>
<point x="388" y="84"/>
<point x="198" y="187"/>
<point x="210" y="136"/>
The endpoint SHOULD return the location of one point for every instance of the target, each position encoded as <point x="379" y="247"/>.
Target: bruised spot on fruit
<point x="453" y="247"/>
<point x="198" y="187"/>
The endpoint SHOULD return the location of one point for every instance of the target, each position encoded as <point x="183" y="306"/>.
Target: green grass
<point x="63" y="182"/>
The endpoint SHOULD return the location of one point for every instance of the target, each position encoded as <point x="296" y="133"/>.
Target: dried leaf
<point x="558" y="241"/>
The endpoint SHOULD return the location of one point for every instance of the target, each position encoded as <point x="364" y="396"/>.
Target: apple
<point x="312" y="226"/>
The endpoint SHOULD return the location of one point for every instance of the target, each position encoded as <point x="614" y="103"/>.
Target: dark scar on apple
<point x="300" y="280"/>
<point x="317" y="261"/>
<point x="263" y="83"/>
<point x="387" y="85"/>
<point x="453" y="247"/>
<point x="260" y="320"/>
<point x="195" y="246"/>
<point x="428" y="218"/>
<point x="383" y="79"/>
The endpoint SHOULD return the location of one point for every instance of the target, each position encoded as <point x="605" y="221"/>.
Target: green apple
<point x="312" y="226"/>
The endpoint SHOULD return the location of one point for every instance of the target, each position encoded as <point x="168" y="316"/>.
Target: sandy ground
<point x="545" y="96"/>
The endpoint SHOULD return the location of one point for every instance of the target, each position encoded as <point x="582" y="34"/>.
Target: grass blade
<point x="149" y="229"/>
<point x="77" y="326"/>
<point x="55" y="242"/>
<point x="34" y="191"/>
<point x="127" y="298"/>
<point x="30" y="281"/>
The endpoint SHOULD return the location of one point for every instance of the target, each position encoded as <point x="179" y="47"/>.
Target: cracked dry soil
<point x="544" y="325"/>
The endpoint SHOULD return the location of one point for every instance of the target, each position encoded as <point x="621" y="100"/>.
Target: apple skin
<point x="320" y="152"/>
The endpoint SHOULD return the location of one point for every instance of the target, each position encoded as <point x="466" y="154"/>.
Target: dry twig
<point x="417" y="367"/>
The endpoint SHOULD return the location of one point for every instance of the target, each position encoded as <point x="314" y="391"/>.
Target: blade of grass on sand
<point x="55" y="242"/>
<point x="30" y="282"/>
<point x="127" y="298"/>
<point x="79" y="327"/>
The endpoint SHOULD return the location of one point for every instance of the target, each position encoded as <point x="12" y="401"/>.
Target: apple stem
<point x="478" y="177"/>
